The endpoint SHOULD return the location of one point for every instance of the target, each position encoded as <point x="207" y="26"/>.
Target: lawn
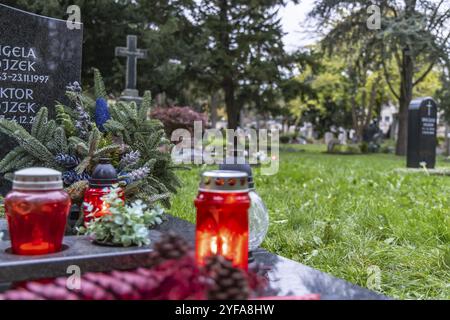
<point x="355" y="218"/>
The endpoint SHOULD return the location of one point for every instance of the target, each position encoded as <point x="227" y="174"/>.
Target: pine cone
<point x="66" y="160"/>
<point x="227" y="282"/>
<point x="171" y="246"/>
<point x="71" y="176"/>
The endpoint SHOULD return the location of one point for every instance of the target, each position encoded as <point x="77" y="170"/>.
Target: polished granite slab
<point x="286" y="276"/>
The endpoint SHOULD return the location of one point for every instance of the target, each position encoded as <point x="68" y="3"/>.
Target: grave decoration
<point x="222" y="217"/>
<point x="175" y="275"/>
<point x="74" y="144"/>
<point x="37" y="210"/>
<point x="120" y="224"/>
<point x="258" y="214"/>
<point x="104" y="177"/>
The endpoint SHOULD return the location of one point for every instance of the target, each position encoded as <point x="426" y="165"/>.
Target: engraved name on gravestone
<point x="39" y="57"/>
<point x="422" y="126"/>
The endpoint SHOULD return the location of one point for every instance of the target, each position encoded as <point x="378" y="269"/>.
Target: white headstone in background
<point x="342" y="136"/>
<point x="328" y="137"/>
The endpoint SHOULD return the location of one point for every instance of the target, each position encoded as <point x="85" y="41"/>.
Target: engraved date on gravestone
<point x="19" y="65"/>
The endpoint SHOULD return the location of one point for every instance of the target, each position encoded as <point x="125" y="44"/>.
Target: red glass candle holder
<point x="104" y="176"/>
<point x="94" y="205"/>
<point x="222" y="217"/>
<point x="37" y="209"/>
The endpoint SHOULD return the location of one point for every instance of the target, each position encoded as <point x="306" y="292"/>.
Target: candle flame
<point x="214" y="245"/>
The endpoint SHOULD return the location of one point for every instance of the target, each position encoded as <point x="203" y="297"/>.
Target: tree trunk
<point x="406" y="87"/>
<point x="232" y="111"/>
<point x="227" y="81"/>
<point x="406" y="93"/>
<point x="447" y="141"/>
<point x="213" y="110"/>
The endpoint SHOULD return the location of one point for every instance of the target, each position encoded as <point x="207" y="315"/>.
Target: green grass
<point x="350" y="215"/>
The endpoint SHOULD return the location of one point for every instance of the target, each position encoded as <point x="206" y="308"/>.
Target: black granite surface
<point x="39" y="56"/>
<point x="287" y="277"/>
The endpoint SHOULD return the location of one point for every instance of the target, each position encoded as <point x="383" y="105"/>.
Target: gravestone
<point x="342" y="137"/>
<point x="328" y="137"/>
<point x="39" y="57"/>
<point x="422" y="125"/>
<point x="132" y="53"/>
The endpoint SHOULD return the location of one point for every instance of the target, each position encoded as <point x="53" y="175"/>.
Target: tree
<point x="161" y="27"/>
<point x="243" y="53"/>
<point x="414" y="35"/>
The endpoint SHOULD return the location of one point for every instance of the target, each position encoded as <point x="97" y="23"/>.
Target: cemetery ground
<point x="355" y="218"/>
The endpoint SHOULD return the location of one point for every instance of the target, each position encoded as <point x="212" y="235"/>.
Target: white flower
<point x="88" y="207"/>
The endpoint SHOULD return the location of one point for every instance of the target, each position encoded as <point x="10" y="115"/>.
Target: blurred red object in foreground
<point x="176" y="279"/>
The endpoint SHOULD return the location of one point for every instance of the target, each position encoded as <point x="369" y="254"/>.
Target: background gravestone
<point x="39" y="57"/>
<point x="422" y="124"/>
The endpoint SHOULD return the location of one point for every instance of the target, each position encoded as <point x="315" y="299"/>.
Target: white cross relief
<point x="429" y="106"/>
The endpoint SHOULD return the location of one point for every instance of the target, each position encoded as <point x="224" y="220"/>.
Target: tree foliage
<point x="414" y="35"/>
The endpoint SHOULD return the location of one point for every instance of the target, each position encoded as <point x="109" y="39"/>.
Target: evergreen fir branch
<point x="133" y="188"/>
<point x="106" y="151"/>
<point x="132" y="112"/>
<point x="154" y="140"/>
<point x="149" y="126"/>
<point x="10" y="128"/>
<point x="99" y="85"/>
<point x="64" y="119"/>
<point x="9" y="161"/>
<point x="166" y="203"/>
<point x="25" y="161"/>
<point x="74" y="141"/>
<point x="27" y="141"/>
<point x="113" y="126"/>
<point x="158" y="184"/>
<point x="9" y="176"/>
<point x="76" y="191"/>
<point x="122" y="114"/>
<point x="36" y="149"/>
<point x="150" y="164"/>
<point x="158" y="197"/>
<point x="175" y="181"/>
<point x="146" y="105"/>
<point x="83" y="165"/>
<point x="39" y="123"/>
<point x="94" y="140"/>
<point x="47" y="132"/>
<point x="59" y="142"/>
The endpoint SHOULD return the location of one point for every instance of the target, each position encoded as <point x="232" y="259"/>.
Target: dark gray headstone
<point x="422" y="125"/>
<point x="39" y="57"/>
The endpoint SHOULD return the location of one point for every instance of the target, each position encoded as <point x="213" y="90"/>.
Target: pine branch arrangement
<point x="74" y="143"/>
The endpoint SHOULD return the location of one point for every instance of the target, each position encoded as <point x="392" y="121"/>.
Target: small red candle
<point x="37" y="210"/>
<point x="222" y="217"/>
<point x="103" y="178"/>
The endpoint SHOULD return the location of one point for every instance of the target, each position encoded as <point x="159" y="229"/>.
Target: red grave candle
<point x="103" y="178"/>
<point x="37" y="210"/>
<point x="222" y="217"/>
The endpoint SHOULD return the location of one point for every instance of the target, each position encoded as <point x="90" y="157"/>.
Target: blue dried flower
<point x="101" y="113"/>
